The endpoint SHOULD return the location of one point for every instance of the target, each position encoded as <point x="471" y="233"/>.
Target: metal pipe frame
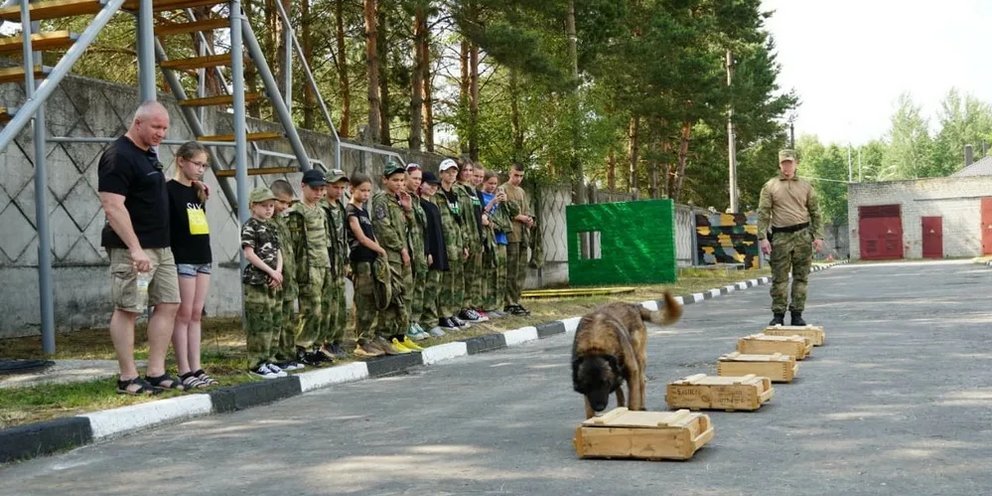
<point x="47" y="87"/>
<point x="240" y="125"/>
<point x="146" y="52"/>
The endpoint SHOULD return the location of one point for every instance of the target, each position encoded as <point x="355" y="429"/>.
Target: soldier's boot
<point x="797" y="318"/>
<point x="777" y="319"/>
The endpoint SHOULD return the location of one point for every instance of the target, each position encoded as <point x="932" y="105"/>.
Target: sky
<point x="849" y="60"/>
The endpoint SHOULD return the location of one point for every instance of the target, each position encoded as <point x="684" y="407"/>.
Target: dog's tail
<point x="665" y="316"/>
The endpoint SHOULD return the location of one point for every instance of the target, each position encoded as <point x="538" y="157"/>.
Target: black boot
<point x="778" y="319"/>
<point x="797" y="318"/>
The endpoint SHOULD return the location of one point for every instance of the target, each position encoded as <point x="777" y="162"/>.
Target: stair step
<point x="163" y="5"/>
<point x="217" y="100"/>
<point x="193" y="27"/>
<point x="251" y="137"/>
<point x="16" y="74"/>
<point x="197" y="62"/>
<point x="258" y="171"/>
<point x="39" y="41"/>
<point x="6" y="114"/>
<point x="51" y="9"/>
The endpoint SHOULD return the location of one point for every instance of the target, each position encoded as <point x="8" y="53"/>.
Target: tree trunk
<point x="309" y="98"/>
<point x="428" y="87"/>
<point x="515" y="128"/>
<point x="473" y="106"/>
<point x="463" y="89"/>
<point x="632" y="153"/>
<point x="344" y="86"/>
<point x="417" y="79"/>
<point x="251" y="74"/>
<point x="385" y="137"/>
<point x="675" y="192"/>
<point x="611" y="172"/>
<point x="371" y="15"/>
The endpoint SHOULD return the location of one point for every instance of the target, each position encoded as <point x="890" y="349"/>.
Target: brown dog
<point x="610" y="347"/>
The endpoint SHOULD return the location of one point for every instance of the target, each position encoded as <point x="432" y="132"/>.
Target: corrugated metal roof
<point x="982" y="167"/>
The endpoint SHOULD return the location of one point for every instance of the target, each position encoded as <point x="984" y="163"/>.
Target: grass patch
<point x="223" y="349"/>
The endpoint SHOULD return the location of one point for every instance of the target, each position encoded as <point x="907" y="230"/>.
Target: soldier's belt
<point x="790" y="229"/>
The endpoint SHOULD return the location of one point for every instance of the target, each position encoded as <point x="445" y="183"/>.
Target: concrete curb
<point x="42" y="438"/>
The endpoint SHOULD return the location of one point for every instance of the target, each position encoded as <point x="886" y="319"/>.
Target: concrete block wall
<point x="956" y="199"/>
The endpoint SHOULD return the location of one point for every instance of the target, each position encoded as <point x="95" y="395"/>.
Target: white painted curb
<point x="521" y="335"/>
<point x="571" y="324"/>
<point x="354" y="371"/>
<point x="444" y="351"/>
<point x="697" y="297"/>
<point x="679" y="300"/>
<point x="714" y="293"/>
<point x="118" y="421"/>
<point x="651" y="305"/>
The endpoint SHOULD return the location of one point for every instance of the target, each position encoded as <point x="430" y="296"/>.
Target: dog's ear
<point x="576" y="363"/>
<point x="615" y="365"/>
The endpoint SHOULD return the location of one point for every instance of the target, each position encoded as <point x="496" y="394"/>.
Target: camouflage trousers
<point x="429" y="314"/>
<point x="395" y="319"/>
<point x="494" y="278"/>
<point x="287" y="320"/>
<point x="312" y="296"/>
<point x="452" y="293"/>
<point x="335" y="313"/>
<point x="791" y="252"/>
<point x="516" y="272"/>
<point x="364" y="300"/>
<point x="261" y="307"/>
<point x="472" y="273"/>
<point x="418" y="288"/>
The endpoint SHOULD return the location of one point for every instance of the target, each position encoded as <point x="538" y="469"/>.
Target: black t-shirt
<point x="136" y="175"/>
<point x="360" y="252"/>
<point x="186" y="247"/>
<point x="434" y="236"/>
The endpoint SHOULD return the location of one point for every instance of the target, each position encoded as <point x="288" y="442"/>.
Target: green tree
<point x="964" y="120"/>
<point x="908" y="153"/>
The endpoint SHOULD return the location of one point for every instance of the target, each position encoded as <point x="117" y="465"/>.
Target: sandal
<point x="165" y="381"/>
<point x="206" y="379"/>
<point x="144" y="388"/>
<point x="191" y="381"/>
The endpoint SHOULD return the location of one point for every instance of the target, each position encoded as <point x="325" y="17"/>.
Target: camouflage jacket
<point x="289" y="288"/>
<point x="451" y="223"/>
<point x="337" y="247"/>
<point x="308" y="233"/>
<point x="468" y="200"/>
<point x="262" y="237"/>
<point x="418" y="229"/>
<point x="391" y="224"/>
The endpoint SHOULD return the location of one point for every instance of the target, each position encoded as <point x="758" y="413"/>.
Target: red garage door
<point x="933" y="237"/>
<point x="987" y="225"/>
<point x="880" y="232"/>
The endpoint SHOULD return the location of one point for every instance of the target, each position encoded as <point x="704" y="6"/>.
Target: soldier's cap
<point x="412" y="167"/>
<point x="392" y="167"/>
<point x="430" y="178"/>
<point x="314" y="178"/>
<point x="786" y="154"/>
<point x="261" y="194"/>
<point x="447" y="164"/>
<point x="335" y="175"/>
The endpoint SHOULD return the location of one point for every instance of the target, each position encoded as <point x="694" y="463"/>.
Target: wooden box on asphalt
<point x="777" y="367"/>
<point x="729" y="393"/>
<point x="761" y="344"/>
<point x="814" y="333"/>
<point x="621" y="433"/>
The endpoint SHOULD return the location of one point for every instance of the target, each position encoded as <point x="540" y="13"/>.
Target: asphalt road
<point x="897" y="402"/>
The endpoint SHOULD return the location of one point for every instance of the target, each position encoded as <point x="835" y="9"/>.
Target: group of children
<point x="425" y="254"/>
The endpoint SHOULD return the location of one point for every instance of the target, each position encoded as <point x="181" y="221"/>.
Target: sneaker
<point x="363" y="348"/>
<point x="483" y="315"/>
<point x="494" y="314"/>
<point x="447" y="324"/>
<point x="416" y="334"/>
<point x="436" y="331"/>
<point x="338" y="351"/>
<point x="461" y="323"/>
<point x="469" y="315"/>
<point x="388" y="347"/>
<point x="324" y="353"/>
<point x="290" y="366"/>
<point x="408" y="344"/>
<point x="264" y="372"/>
<point x="277" y="370"/>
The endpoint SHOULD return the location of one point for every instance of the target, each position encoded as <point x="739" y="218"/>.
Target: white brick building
<point x="922" y="218"/>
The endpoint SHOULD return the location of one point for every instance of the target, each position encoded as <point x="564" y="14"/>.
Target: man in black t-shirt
<point x="136" y="237"/>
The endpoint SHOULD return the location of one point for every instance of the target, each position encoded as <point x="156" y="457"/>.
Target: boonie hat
<point x="335" y="175"/>
<point x="261" y="194"/>
<point x="786" y="154"/>
<point x="430" y="178"/>
<point x="447" y="164"/>
<point x="314" y="177"/>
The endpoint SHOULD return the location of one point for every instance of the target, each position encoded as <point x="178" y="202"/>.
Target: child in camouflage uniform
<point x="418" y="253"/>
<point x="334" y="310"/>
<point x="261" y="280"/>
<point x="287" y="319"/>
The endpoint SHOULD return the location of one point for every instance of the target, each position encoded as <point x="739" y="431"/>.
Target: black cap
<point x="314" y="177"/>
<point x="430" y="178"/>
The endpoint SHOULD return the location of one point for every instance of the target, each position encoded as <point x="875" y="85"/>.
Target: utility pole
<point x="731" y="148"/>
<point x="849" y="178"/>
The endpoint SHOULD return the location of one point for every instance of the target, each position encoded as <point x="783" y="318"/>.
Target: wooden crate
<point x="761" y="344"/>
<point x="701" y="391"/>
<point x="814" y="333"/>
<point x="777" y="367"/>
<point x="621" y="433"/>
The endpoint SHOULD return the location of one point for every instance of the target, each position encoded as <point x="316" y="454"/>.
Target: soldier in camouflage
<point x="789" y="229"/>
<point x="452" y="292"/>
<point x="287" y="318"/>
<point x="261" y="279"/>
<point x="334" y="309"/>
<point x="418" y="253"/>
<point x="309" y="236"/>
<point x="471" y="211"/>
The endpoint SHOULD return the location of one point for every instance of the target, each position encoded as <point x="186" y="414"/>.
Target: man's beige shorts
<point x="164" y="287"/>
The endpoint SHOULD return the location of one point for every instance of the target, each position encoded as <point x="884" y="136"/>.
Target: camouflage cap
<point x="786" y="154"/>
<point x="261" y="194"/>
<point x="393" y="167"/>
<point x="335" y="175"/>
